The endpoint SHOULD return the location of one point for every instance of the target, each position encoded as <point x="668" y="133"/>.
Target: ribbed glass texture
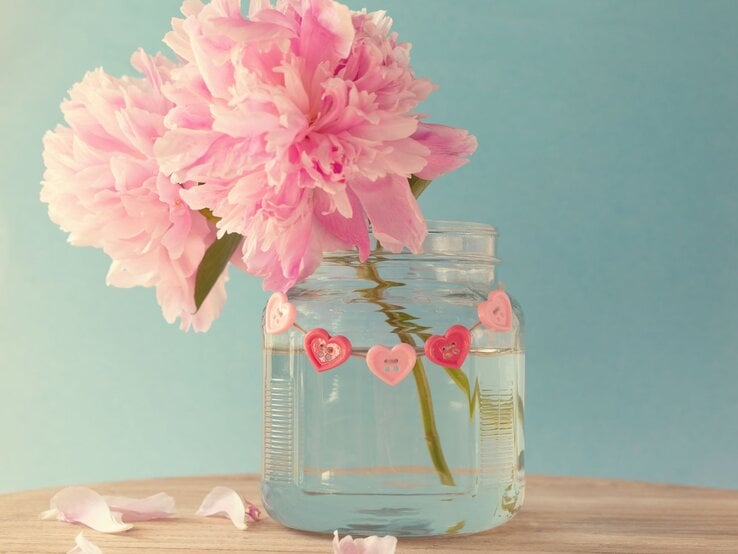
<point x="441" y="452"/>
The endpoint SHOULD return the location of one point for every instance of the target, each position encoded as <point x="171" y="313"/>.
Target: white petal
<point x="158" y="506"/>
<point x="84" y="546"/>
<point x="224" y="502"/>
<point x="83" y="505"/>
<point x="369" y="545"/>
<point x="50" y="514"/>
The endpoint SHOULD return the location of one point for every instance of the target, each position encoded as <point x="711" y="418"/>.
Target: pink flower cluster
<point x="294" y="127"/>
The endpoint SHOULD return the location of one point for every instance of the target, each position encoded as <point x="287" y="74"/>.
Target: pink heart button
<point x="280" y="314"/>
<point x="391" y="366"/>
<point x="449" y="350"/>
<point x="324" y="351"/>
<point x="496" y="312"/>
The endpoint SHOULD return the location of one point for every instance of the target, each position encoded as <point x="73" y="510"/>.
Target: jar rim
<point x="456" y="226"/>
<point x="446" y="239"/>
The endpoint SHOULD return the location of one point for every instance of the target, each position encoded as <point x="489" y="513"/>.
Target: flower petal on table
<point x="225" y="502"/>
<point x="369" y="545"/>
<point x="84" y="546"/>
<point x="85" y="506"/>
<point x="157" y="506"/>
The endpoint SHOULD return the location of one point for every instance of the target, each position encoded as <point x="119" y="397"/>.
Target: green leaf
<point x="418" y="185"/>
<point x="459" y="377"/>
<point x="474" y="399"/>
<point x="213" y="263"/>
<point x="462" y="381"/>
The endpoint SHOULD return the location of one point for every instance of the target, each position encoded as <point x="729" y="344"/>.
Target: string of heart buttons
<point x="391" y="365"/>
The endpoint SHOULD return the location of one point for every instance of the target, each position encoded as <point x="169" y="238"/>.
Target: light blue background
<point x="608" y="159"/>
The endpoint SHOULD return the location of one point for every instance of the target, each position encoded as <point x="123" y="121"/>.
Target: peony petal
<point x="393" y="211"/>
<point x="252" y="512"/>
<point x="84" y="546"/>
<point x="225" y="502"/>
<point x="181" y="147"/>
<point x="256" y="6"/>
<point x="327" y="33"/>
<point x="450" y="148"/>
<point x="85" y="506"/>
<point x="157" y="506"/>
<point x="352" y="231"/>
<point x="369" y="545"/>
<point x="247" y="31"/>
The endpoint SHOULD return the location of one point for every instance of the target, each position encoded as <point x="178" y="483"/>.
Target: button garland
<point x="391" y="365"/>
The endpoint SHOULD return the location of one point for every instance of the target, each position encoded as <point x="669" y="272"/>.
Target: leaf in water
<point x="456" y="527"/>
<point x="462" y="381"/>
<point x="213" y="263"/>
<point x="511" y="499"/>
<point x="521" y="409"/>
<point x="474" y="400"/>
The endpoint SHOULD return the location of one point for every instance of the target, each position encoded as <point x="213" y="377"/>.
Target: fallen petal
<point x="84" y="546"/>
<point x="225" y="502"/>
<point x="85" y="506"/>
<point x="158" y="506"/>
<point x="369" y="545"/>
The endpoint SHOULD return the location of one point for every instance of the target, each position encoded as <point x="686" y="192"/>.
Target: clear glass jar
<point x="440" y="452"/>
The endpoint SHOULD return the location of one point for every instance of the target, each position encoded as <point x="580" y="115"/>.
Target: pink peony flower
<point x="103" y="186"/>
<point x="299" y="122"/>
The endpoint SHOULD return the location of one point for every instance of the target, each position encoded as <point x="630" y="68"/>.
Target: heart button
<point x="324" y="351"/>
<point x="391" y="366"/>
<point x="496" y="313"/>
<point x="280" y="314"/>
<point x="449" y="350"/>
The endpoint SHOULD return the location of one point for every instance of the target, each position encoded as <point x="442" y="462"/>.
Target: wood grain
<point x="560" y="515"/>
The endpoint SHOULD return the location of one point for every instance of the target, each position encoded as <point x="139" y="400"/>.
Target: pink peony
<point x="103" y="186"/>
<point x="299" y="124"/>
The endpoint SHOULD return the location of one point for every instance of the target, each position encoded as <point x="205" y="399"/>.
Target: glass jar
<point x="407" y="450"/>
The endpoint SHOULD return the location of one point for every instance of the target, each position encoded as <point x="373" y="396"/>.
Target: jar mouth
<point x="459" y="227"/>
<point x="459" y="240"/>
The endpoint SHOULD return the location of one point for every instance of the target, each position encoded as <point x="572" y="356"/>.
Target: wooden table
<point x="560" y="515"/>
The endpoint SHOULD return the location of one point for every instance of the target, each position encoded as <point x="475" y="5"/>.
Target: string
<point x="363" y="354"/>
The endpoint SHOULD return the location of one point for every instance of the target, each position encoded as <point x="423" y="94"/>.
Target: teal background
<point x="608" y="159"/>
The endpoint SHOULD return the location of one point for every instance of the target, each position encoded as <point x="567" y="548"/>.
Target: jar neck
<point x="453" y="252"/>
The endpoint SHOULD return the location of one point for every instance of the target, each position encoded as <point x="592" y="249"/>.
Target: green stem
<point x="403" y="326"/>
<point x="429" y="425"/>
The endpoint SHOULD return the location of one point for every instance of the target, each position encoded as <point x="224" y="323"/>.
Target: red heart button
<point x="324" y="351"/>
<point x="449" y="350"/>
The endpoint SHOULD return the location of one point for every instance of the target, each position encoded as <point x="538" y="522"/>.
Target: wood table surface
<point x="561" y="514"/>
